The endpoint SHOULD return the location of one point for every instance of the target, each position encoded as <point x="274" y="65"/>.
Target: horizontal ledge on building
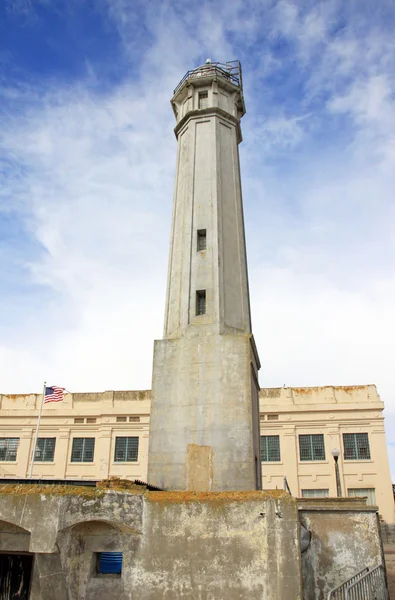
<point x="205" y="112"/>
<point x="336" y="504"/>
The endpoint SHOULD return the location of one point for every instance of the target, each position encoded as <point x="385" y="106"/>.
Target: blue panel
<point x="110" y="562"/>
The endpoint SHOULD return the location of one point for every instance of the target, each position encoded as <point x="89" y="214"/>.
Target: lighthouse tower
<point x="204" y="432"/>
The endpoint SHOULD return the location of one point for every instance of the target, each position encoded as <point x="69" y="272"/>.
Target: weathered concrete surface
<point x="345" y="538"/>
<point x="205" y="399"/>
<point x="189" y="546"/>
<point x="389" y="553"/>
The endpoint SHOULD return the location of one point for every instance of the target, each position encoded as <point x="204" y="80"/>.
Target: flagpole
<point x="37" y="428"/>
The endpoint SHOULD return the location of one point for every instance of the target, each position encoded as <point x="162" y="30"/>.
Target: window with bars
<point x="45" y="450"/>
<point x="356" y="446"/>
<point x="126" y="449"/>
<point x="8" y="449"/>
<point x="311" y="447"/>
<point x="270" y="448"/>
<point x="203" y="99"/>
<point x="201" y="240"/>
<point x="370" y="493"/>
<point x="200" y="302"/>
<point x="83" y="450"/>
<point x="315" y="493"/>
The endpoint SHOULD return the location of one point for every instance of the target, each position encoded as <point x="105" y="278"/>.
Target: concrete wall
<point x="202" y="422"/>
<point x="345" y="538"/>
<point x="175" y="545"/>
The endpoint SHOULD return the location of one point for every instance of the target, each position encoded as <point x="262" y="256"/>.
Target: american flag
<point x="53" y="394"/>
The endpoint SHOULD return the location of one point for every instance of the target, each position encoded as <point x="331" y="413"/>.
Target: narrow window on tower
<point x="201" y="239"/>
<point x="201" y="302"/>
<point x="203" y="99"/>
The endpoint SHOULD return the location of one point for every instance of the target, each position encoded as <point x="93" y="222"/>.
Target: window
<point x="362" y="492"/>
<point x="201" y="302"/>
<point x="134" y="419"/>
<point x="45" y="450"/>
<point x="109" y="563"/>
<point x="122" y="419"/>
<point x="356" y="446"/>
<point x="203" y="99"/>
<point x="311" y="447"/>
<point x="201" y="240"/>
<point x="91" y="420"/>
<point x="8" y="449"/>
<point x="270" y="448"/>
<point x="272" y="417"/>
<point x="126" y="449"/>
<point x="79" y="420"/>
<point x="315" y="493"/>
<point x="83" y="450"/>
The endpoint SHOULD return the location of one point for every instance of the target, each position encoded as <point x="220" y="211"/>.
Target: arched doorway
<point x="16" y="563"/>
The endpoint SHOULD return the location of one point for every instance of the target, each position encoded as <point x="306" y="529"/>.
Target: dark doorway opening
<point x="15" y="575"/>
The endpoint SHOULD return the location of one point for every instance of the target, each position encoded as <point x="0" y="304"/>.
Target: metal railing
<point x="367" y="584"/>
<point x="338" y="592"/>
<point x="371" y="586"/>
<point x="230" y="70"/>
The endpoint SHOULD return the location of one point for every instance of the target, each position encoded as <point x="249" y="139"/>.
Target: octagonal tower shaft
<point x="204" y="432"/>
<point x="207" y="251"/>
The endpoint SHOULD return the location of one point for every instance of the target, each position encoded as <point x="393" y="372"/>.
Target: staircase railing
<point x="367" y="584"/>
<point x="371" y="586"/>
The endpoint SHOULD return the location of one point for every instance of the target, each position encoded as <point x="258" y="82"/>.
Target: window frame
<point x="7" y="449"/>
<point x="313" y="449"/>
<point x="83" y="451"/>
<point x="43" y="451"/>
<point x="356" y="449"/>
<point x="127" y="438"/>
<point x="264" y="448"/>
<point x="370" y="492"/>
<point x="201" y="240"/>
<point x="202" y="95"/>
<point x="304" y="490"/>
<point x="201" y="297"/>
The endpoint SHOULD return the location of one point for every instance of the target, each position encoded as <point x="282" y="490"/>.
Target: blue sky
<point x="87" y="158"/>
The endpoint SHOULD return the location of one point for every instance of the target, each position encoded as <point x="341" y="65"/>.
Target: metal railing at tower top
<point x="230" y="70"/>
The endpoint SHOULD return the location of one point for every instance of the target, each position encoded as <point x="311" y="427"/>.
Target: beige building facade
<point x="300" y="427"/>
<point x="100" y="435"/>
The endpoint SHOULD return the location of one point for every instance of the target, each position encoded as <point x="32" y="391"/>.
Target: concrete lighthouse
<point x="204" y="431"/>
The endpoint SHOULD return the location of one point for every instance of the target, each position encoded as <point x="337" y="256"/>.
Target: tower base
<point x="204" y="430"/>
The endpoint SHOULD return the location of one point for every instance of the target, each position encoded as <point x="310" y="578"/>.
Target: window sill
<point x="129" y="462"/>
<point x="9" y="462"/>
<point x="357" y="460"/>
<point x="82" y="462"/>
<point x="272" y="462"/>
<point x="313" y="462"/>
<point x="44" y="462"/>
